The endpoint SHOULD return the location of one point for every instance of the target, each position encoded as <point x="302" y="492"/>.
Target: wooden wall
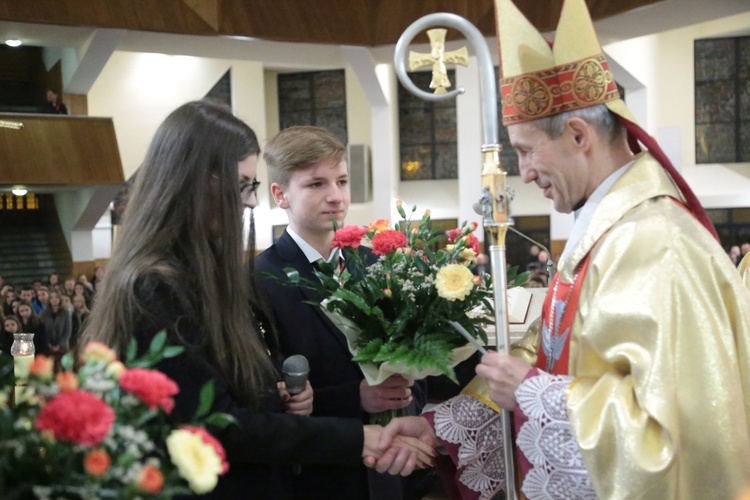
<point x="59" y="150"/>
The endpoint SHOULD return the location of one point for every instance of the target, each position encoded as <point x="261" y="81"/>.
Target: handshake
<point x="405" y="444"/>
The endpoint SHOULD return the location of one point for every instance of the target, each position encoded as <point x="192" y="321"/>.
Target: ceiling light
<point x="13" y="42"/>
<point x="19" y="191"/>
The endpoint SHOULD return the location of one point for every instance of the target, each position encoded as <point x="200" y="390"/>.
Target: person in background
<point x="178" y="266"/>
<point x="69" y="287"/>
<point x="54" y="283"/>
<point x="39" y="303"/>
<point x="98" y="278"/>
<point x="8" y="297"/>
<point x="66" y="303"/>
<point x="15" y="305"/>
<point x="11" y="325"/>
<point x="79" y="318"/>
<point x="54" y="104"/>
<point x="31" y="323"/>
<point x="57" y="326"/>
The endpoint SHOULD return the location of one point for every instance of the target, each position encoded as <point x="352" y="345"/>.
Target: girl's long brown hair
<point x="185" y="208"/>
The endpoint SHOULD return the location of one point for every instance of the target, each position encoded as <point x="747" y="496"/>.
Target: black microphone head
<point x="295" y="370"/>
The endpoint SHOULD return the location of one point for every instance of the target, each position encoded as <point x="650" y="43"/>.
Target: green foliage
<point x="401" y="314"/>
<point x="35" y="464"/>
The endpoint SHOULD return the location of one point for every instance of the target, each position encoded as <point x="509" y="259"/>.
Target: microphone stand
<point x="551" y="267"/>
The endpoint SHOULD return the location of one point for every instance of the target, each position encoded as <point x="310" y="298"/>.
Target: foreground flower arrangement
<point x="396" y="313"/>
<point x="104" y="431"/>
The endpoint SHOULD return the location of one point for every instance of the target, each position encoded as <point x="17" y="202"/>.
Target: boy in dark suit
<point x="310" y="180"/>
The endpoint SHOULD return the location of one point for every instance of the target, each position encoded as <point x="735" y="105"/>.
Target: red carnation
<point x="348" y="236"/>
<point x="472" y="242"/>
<point x="150" y="386"/>
<point x="454" y="233"/>
<point x="76" y="416"/>
<point x="207" y="438"/>
<point x="388" y="241"/>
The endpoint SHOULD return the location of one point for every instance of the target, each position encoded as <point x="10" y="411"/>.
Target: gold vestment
<point x="660" y="349"/>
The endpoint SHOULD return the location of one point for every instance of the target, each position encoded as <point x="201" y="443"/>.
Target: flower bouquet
<point x="396" y="312"/>
<point x="103" y="432"/>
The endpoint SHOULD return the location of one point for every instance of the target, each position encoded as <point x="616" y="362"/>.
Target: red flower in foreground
<point x="207" y="438"/>
<point x="348" y="236"/>
<point x="454" y="233"/>
<point x="388" y="241"/>
<point x="471" y="241"/>
<point x="96" y="463"/>
<point x="150" y="386"/>
<point x="150" y="480"/>
<point x="76" y="416"/>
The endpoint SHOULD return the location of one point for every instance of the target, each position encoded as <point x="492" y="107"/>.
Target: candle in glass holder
<point x="23" y="355"/>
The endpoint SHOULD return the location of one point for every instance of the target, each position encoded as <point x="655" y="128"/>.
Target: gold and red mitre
<point x="538" y="80"/>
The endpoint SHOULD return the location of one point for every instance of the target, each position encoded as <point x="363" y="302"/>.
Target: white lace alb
<point x="476" y="428"/>
<point x="548" y="442"/>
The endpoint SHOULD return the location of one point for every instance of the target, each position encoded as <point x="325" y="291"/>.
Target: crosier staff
<point x="494" y="198"/>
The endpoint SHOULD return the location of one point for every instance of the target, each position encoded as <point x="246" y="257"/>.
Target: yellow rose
<point x="96" y="351"/>
<point x="196" y="460"/>
<point x="454" y="282"/>
<point x="468" y="255"/>
<point x="116" y="369"/>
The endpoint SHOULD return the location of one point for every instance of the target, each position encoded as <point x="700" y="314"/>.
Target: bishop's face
<point x="556" y="165"/>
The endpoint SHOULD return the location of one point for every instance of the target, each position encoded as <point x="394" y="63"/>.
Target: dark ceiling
<point x="340" y="22"/>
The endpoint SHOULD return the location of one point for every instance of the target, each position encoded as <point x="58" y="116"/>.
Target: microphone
<point x="295" y="370"/>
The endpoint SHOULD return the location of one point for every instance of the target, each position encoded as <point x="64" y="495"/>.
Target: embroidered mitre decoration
<point x="539" y="80"/>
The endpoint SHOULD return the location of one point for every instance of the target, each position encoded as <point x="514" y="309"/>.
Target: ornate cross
<point x="437" y="58"/>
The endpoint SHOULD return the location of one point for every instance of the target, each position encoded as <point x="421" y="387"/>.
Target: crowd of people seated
<point x="55" y="312"/>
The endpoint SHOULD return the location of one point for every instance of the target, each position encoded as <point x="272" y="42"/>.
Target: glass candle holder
<point x="23" y="355"/>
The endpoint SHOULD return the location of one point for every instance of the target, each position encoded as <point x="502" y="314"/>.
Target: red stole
<point x="554" y="351"/>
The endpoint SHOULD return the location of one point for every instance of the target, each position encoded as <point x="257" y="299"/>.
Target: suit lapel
<point x="292" y="256"/>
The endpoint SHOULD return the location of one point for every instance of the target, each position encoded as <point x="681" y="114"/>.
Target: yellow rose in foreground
<point x="196" y="460"/>
<point x="96" y="351"/>
<point x="454" y="282"/>
<point x="468" y="255"/>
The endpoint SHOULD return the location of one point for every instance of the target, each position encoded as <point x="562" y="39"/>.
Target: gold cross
<point x="437" y="58"/>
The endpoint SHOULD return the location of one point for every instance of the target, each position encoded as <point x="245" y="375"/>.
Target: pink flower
<point x="348" y="236"/>
<point x="76" y="416"/>
<point x="150" y="386"/>
<point x="472" y="242"/>
<point x="388" y="241"/>
<point x="454" y="234"/>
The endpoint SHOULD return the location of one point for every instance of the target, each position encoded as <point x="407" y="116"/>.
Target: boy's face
<point x="314" y="196"/>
